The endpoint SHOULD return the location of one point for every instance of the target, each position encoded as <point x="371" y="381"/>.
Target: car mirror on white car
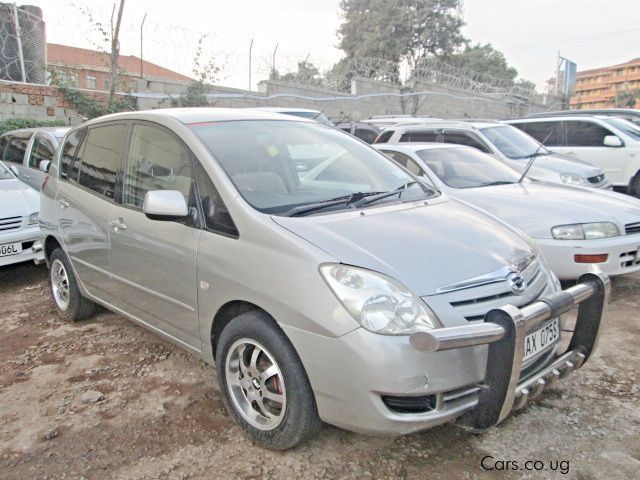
<point x="165" y="205"/>
<point x="612" y="141"/>
<point x="44" y="166"/>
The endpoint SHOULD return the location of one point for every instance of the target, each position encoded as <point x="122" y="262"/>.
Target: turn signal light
<point x="601" y="258"/>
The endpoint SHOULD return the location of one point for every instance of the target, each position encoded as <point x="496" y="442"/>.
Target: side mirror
<point x="612" y="141"/>
<point x="44" y="166"/>
<point x="14" y="170"/>
<point x="165" y="205"/>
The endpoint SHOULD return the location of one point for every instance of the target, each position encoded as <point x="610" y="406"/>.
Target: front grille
<point x="629" y="259"/>
<point x="10" y="223"/>
<point x="632" y="228"/>
<point x="421" y="404"/>
<point x="597" y="179"/>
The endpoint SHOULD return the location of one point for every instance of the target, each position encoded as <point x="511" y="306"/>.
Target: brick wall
<point x="41" y="102"/>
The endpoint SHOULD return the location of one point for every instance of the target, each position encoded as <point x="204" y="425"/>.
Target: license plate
<point x="10" y="249"/>
<point x="542" y="338"/>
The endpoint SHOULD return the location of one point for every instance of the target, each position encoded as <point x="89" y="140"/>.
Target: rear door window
<point x="585" y="134"/>
<point x="421" y="136"/>
<point x="16" y="148"/>
<point x="101" y="158"/>
<point x="541" y="130"/>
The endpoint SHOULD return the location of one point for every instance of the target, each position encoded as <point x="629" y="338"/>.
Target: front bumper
<point x="623" y="255"/>
<point x="472" y="372"/>
<point x="31" y="246"/>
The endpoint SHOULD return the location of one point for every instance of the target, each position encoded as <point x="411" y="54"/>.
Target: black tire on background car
<point x="69" y="302"/>
<point x="634" y="186"/>
<point x="263" y="383"/>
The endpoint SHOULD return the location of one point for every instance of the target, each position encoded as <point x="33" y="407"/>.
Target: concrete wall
<point x="367" y="98"/>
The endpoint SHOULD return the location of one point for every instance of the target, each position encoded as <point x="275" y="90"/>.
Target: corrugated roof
<point x="83" y="57"/>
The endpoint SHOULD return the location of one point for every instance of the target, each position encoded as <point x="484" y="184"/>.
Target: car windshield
<point x="461" y="167"/>
<point x="4" y="173"/>
<point x="513" y="142"/>
<point x="626" y="126"/>
<point x="280" y="165"/>
<point x="317" y="116"/>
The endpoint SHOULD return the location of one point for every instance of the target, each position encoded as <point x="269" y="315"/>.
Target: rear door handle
<point x="63" y="204"/>
<point x="118" y="225"/>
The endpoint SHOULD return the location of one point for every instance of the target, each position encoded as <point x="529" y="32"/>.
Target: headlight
<point x="34" y="219"/>
<point x="586" y="231"/>
<point x="379" y="303"/>
<point x="572" y="179"/>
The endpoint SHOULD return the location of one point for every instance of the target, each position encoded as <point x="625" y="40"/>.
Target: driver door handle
<point x="118" y="225"/>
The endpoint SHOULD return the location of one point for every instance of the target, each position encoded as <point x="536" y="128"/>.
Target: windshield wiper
<point x="374" y="197"/>
<point x="533" y="157"/>
<point x="313" y="207"/>
<point x="497" y="182"/>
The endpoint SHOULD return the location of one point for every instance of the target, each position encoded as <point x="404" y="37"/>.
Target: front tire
<point x="69" y="302"/>
<point x="263" y="383"/>
<point x="634" y="186"/>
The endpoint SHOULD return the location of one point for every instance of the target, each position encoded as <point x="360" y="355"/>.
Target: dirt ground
<point x="105" y="399"/>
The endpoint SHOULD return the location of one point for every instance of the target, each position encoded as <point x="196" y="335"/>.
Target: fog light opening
<point x="599" y="258"/>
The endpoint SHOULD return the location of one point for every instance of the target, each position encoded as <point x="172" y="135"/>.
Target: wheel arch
<point x="50" y="244"/>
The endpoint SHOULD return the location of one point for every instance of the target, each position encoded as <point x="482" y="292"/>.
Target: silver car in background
<point x="28" y="152"/>
<point x="364" y="298"/>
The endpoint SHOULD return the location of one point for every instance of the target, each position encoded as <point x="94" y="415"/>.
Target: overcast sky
<point x="593" y="33"/>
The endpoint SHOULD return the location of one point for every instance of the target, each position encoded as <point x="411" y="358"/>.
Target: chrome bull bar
<point x="504" y="330"/>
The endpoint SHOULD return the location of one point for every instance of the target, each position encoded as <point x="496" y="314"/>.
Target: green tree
<point x="205" y="74"/>
<point x="400" y="29"/>
<point x="627" y="98"/>
<point x="307" y="73"/>
<point x="485" y="59"/>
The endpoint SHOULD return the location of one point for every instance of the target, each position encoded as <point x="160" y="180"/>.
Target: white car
<point x="19" y="229"/>
<point x="307" y="113"/>
<point x="577" y="228"/>
<point x="611" y="143"/>
<point x="504" y="142"/>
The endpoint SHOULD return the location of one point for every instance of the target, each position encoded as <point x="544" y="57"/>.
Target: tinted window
<point x="461" y="138"/>
<point x="16" y="148"/>
<point x="101" y="158"/>
<point x="585" y="134"/>
<point x="157" y="160"/>
<point x="216" y="215"/>
<point x="541" y="130"/>
<point x="422" y="136"/>
<point x="367" y="135"/>
<point x="69" y="153"/>
<point x="41" y="150"/>
<point x="384" y="137"/>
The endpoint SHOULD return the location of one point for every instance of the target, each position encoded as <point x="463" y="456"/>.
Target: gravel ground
<point x="106" y="399"/>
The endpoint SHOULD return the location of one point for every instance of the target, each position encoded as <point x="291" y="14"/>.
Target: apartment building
<point x="601" y="87"/>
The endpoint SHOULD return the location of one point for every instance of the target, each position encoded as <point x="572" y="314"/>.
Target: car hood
<point x="17" y="199"/>
<point x="536" y="207"/>
<point x="424" y="247"/>
<point x="559" y="163"/>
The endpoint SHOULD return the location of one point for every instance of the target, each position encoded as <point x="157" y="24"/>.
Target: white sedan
<point x="577" y="228"/>
<point x="19" y="229"/>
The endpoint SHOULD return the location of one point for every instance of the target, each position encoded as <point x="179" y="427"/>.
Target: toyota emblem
<point x="517" y="283"/>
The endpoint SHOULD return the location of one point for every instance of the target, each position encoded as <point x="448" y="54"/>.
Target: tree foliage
<point x="627" y="98"/>
<point x="398" y="30"/>
<point x="205" y="74"/>
<point x="485" y="59"/>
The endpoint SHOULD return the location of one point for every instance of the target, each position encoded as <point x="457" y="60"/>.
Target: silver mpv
<point x="364" y="297"/>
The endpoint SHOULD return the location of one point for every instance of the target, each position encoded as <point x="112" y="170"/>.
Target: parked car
<point x="630" y="114"/>
<point x="576" y="228"/>
<point x="29" y="151"/>
<point x="610" y="143"/>
<point x="316" y="115"/>
<point x="506" y="143"/>
<point x="19" y="232"/>
<point x="366" y="132"/>
<point x="346" y="299"/>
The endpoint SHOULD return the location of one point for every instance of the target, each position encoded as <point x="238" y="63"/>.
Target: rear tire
<point x="263" y="383"/>
<point x="634" y="186"/>
<point x="69" y="302"/>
